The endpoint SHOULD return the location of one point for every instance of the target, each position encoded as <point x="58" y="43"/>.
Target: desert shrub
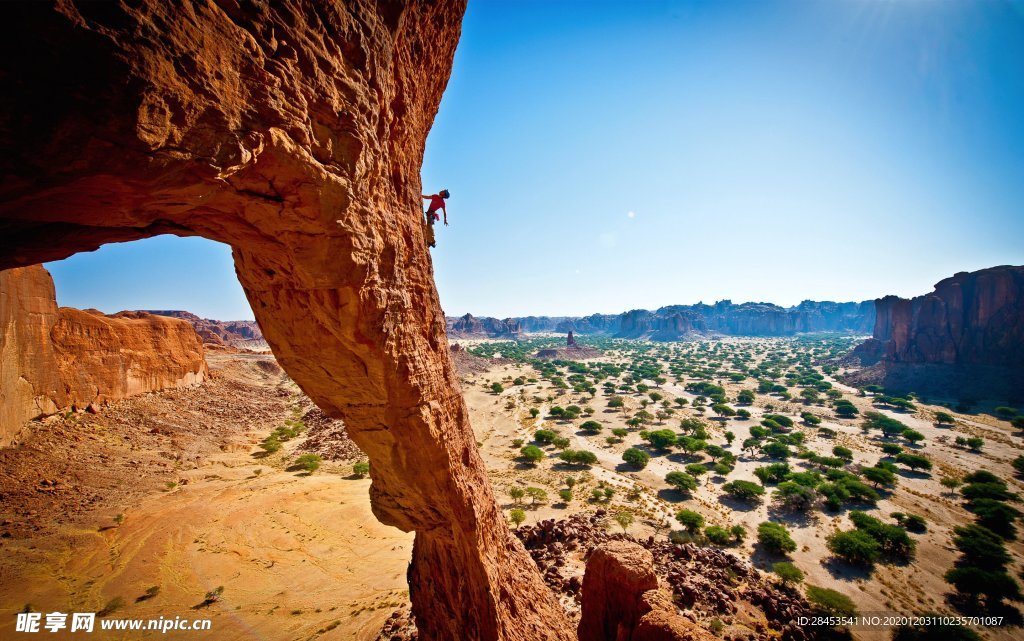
<point x="844" y="453"/>
<point x="690" y="520"/>
<point x="980" y="546"/>
<point x="497" y="388"/>
<point x="830" y="602"/>
<point x="788" y="572"/>
<point x="517" y="494"/>
<point x="854" y="546"/>
<point x="517" y="516"/>
<point x="774" y="537"/>
<point x="994" y="585"/>
<point x="915" y="523"/>
<point x="776" y="450"/>
<point x="681" y="481"/>
<point x="878" y="475"/>
<point x="784" y="421"/>
<point x="794" y="496"/>
<point x="718" y="535"/>
<point x="892" y="449"/>
<point x="624" y="518"/>
<point x="361" y="469"/>
<point x="591" y="427"/>
<point x="565" y="495"/>
<point x="661" y="439"/>
<point x="537" y="495"/>
<point x="774" y="473"/>
<point x="636" y="458"/>
<point x="914" y="461"/>
<point x="995" y="491"/>
<point x="995" y="515"/>
<point x="944" y="418"/>
<point x="544" y="436"/>
<point x="532" y="453"/>
<point x="308" y="462"/>
<point x="892" y="539"/>
<point x="744" y="490"/>
<point x="578" y="457"/>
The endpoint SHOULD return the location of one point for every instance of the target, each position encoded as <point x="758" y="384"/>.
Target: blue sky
<point x="604" y="156"/>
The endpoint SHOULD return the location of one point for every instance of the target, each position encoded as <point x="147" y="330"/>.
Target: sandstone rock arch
<point x="260" y="125"/>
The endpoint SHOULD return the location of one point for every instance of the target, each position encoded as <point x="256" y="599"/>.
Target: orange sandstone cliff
<point x="294" y="132"/>
<point x="55" y="358"/>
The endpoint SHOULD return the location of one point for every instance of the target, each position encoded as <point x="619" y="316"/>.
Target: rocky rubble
<point x="705" y="582"/>
<point x="78" y="464"/>
<point x="327" y="437"/>
<point x="242" y="334"/>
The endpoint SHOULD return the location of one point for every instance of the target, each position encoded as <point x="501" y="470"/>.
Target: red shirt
<point x="436" y="202"/>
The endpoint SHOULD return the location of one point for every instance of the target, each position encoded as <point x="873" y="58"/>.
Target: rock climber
<point x="436" y="202"/>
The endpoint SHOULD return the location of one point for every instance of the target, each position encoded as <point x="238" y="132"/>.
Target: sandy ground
<point x="298" y="556"/>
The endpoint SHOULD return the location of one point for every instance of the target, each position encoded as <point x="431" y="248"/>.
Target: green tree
<point x="497" y="388"/>
<point x="636" y="458"/>
<point x="532" y="453"/>
<point x="309" y="462"/>
<point x="914" y="461"/>
<point x="690" y="520"/>
<point x="681" y="481"/>
<point x="517" y="516"/>
<point x="744" y="491"/>
<point x="717" y="535"/>
<point x="854" y="546"/>
<point x="537" y="495"/>
<point x="624" y="518"/>
<point x="830" y="603"/>
<point x="661" y="439"/>
<point x="591" y="427"/>
<point x="517" y="494"/>
<point x="774" y="537"/>
<point x="361" y="469"/>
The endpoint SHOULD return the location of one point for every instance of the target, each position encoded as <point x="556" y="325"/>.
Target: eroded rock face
<point x="54" y="359"/>
<point x="294" y="132"/>
<point x="972" y="318"/>
<point x="623" y="602"/>
<point x="676" y="322"/>
<point x="239" y="333"/>
<point x="470" y="326"/>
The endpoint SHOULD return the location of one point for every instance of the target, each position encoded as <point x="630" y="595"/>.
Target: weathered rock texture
<point x="294" y="132"/>
<point x="965" y="339"/>
<point x="972" y="318"/>
<point x="52" y="359"/>
<point x="678" y="322"/>
<point x="239" y="333"/>
<point x="572" y="351"/>
<point x="470" y="326"/>
<point x="622" y="600"/>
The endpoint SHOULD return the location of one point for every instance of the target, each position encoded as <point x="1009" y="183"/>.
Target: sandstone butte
<point x="54" y="359"/>
<point x="294" y="132"/>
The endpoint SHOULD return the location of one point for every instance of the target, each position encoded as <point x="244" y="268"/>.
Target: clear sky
<point x="604" y="156"/>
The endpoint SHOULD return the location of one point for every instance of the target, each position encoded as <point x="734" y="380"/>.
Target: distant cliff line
<point x="678" y="322"/>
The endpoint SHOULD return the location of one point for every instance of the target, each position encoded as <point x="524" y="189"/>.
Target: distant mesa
<point x="682" y="322"/>
<point x="469" y="326"/>
<point x="241" y="334"/>
<point x="966" y="338"/>
<point x="571" y="352"/>
<point x="56" y="359"/>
